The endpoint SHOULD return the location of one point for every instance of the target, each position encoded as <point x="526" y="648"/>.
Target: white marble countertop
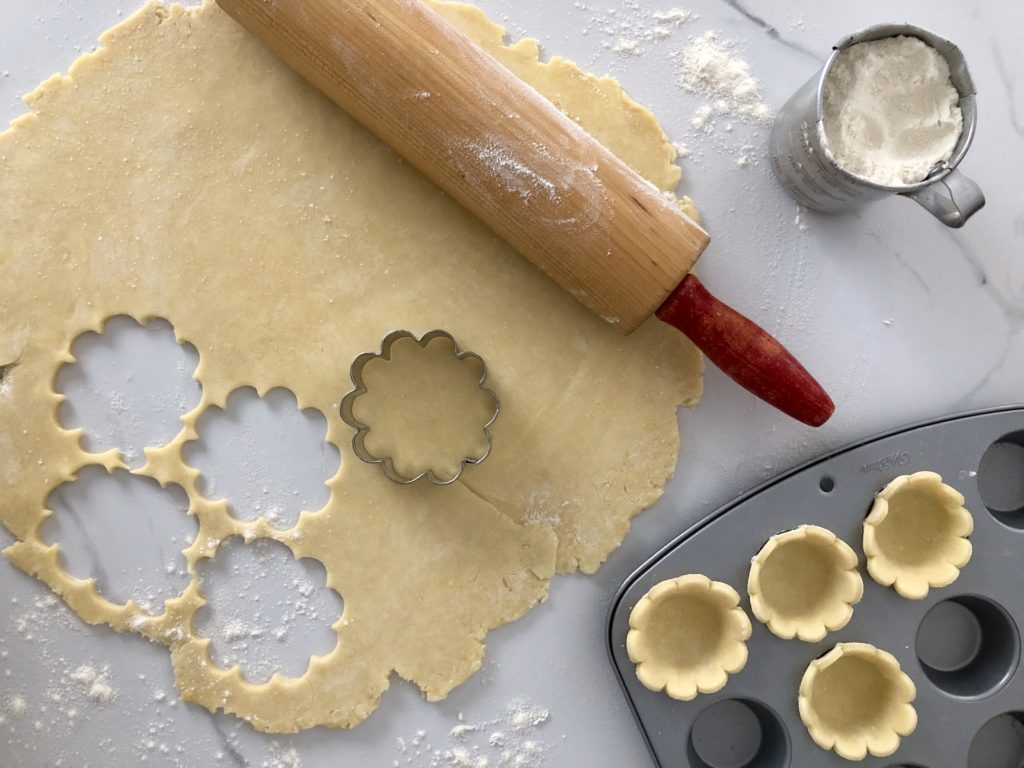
<point x="899" y="317"/>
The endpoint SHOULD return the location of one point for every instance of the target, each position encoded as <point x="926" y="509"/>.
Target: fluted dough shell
<point x="856" y="700"/>
<point x="915" y="536"/>
<point x="687" y="635"/>
<point x="804" y="583"/>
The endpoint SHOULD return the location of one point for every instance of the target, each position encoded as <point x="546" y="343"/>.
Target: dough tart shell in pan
<point x="856" y="701"/>
<point x="804" y="583"/>
<point x="687" y="635"/>
<point x="915" y="536"/>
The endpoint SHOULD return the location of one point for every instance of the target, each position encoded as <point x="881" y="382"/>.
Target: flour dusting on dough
<point x="564" y="194"/>
<point x="518" y="178"/>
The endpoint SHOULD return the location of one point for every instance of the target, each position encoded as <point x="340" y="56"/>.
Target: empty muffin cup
<point x="915" y="536"/>
<point x="687" y="635"/>
<point x="855" y="700"/>
<point x="804" y="583"/>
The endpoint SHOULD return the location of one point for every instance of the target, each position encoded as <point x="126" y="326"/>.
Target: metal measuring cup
<point x="806" y="168"/>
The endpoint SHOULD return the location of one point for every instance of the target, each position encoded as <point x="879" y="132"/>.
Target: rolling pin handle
<point x="746" y="353"/>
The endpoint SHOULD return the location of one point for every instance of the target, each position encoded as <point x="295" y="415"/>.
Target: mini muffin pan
<point x="960" y="644"/>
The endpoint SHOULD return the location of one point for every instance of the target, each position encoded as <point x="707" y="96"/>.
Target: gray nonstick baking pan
<point x="960" y="645"/>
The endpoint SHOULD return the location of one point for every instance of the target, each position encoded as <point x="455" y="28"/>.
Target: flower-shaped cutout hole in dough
<point x="856" y="700"/>
<point x="264" y="455"/>
<point x="266" y="611"/>
<point x="915" y="536"/>
<point x="128" y="386"/>
<point x="687" y="635"/>
<point x="804" y="583"/>
<point x="124" y="531"/>
<point x="420" y="407"/>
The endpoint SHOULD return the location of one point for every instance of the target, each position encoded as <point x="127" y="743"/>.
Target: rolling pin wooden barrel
<point x="615" y="242"/>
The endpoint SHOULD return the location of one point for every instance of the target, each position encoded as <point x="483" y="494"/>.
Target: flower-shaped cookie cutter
<point x="362" y="429"/>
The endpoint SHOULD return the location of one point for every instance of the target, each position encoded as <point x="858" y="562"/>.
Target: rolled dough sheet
<point x="181" y="171"/>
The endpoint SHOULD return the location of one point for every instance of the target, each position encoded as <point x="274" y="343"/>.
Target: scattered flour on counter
<point x="747" y="156"/>
<point x="702" y="119"/>
<point x="16" y="705"/>
<point x="627" y="47"/>
<point x="96" y="685"/>
<point x="796" y="24"/>
<point x="462" y="730"/>
<point x="67" y="697"/>
<point x="511" y="741"/>
<point x="281" y="756"/>
<point x="676" y="16"/>
<point x="800" y="220"/>
<point x="59" y="694"/>
<point x="711" y="67"/>
<point x="266" y="611"/>
<point x="524" y="716"/>
<point x="729" y="114"/>
<point x="631" y="28"/>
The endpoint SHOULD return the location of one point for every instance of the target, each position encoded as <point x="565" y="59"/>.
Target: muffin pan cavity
<point x="1001" y="479"/>
<point x="957" y="645"/>
<point x="738" y="733"/>
<point x="999" y="743"/>
<point x="968" y="646"/>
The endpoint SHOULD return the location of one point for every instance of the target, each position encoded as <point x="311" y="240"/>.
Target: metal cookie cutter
<point x="387" y="462"/>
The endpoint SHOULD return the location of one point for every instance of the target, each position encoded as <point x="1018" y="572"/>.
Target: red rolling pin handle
<point x="747" y="353"/>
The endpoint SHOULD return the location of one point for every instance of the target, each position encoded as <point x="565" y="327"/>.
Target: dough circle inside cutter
<point x="421" y="407"/>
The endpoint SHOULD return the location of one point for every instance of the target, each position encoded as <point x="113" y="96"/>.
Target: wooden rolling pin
<point x="541" y="182"/>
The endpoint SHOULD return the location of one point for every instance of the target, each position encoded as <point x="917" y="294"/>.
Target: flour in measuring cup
<point x="890" y="110"/>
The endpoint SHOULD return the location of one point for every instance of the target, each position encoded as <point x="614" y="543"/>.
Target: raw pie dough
<point x="181" y="171"/>
<point x="915" y="536"/>
<point x="804" y="583"/>
<point x="687" y="635"/>
<point x="855" y="699"/>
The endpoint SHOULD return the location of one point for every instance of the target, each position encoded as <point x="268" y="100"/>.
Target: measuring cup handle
<point x="952" y="199"/>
